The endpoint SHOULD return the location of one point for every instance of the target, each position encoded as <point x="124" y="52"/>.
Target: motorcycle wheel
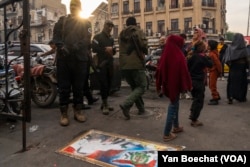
<point x="44" y="92"/>
<point x="15" y="106"/>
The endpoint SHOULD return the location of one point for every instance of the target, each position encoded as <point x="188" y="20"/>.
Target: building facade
<point x="99" y="15"/>
<point x="43" y="13"/>
<point x="163" y="17"/>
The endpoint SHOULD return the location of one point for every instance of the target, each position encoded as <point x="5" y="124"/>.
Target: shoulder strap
<point x="63" y="26"/>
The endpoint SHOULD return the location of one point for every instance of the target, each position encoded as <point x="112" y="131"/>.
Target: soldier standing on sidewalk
<point x="72" y="36"/>
<point x="103" y="45"/>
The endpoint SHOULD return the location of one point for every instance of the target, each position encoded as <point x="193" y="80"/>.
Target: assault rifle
<point x="137" y="48"/>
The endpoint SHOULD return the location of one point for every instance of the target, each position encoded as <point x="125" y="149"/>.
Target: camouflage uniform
<point x="132" y="66"/>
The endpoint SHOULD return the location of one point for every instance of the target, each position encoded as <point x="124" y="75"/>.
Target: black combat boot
<point x="64" y="121"/>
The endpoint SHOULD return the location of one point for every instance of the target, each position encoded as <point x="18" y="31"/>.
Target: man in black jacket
<point x="103" y="45"/>
<point x="72" y="36"/>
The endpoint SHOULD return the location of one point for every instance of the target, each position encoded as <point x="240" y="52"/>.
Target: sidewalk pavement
<point x="226" y="127"/>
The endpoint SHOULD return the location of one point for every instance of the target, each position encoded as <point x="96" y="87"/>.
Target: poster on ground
<point x="110" y="150"/>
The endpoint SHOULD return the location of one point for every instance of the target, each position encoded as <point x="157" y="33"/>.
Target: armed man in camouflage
<point x="133" y="47"/>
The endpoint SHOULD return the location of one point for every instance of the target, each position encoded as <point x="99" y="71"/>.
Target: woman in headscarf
<point x="172" y="78"/>
<point x="198" y="36"/>
<point x="237" y="58"/>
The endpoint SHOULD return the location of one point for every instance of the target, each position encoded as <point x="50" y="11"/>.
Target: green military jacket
<point x="128" y="56"/>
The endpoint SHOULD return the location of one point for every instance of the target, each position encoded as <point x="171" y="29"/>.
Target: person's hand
<point x="109" y="50"/>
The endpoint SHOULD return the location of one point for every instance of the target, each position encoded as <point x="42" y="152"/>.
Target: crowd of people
<point x="183" y="68"/>
<point x="204" y="61"/>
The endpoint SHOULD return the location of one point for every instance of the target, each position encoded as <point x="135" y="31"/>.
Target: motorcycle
<point x="151" y="62"/>
<point x="11" y="94"/>
<point x="43" y="82"/>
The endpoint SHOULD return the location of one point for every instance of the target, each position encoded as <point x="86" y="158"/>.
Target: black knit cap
<point x="131" y="21"/>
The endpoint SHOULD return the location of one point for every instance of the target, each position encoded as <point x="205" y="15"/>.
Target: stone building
<point x="162" y="17"/>
<point x="99" y="15"/>
<point x="43" y="13"/>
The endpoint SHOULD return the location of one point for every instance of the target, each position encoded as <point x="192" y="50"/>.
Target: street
<point x="226" y="127"/>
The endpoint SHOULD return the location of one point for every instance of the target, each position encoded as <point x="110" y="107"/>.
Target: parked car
<point x="14" y="50"/>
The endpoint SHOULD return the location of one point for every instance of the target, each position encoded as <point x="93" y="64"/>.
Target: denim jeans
<point x="172" y="117"/>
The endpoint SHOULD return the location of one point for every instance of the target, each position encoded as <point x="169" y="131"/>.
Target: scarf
<point x="236" y="50"/>
<point x="172" y="76"/>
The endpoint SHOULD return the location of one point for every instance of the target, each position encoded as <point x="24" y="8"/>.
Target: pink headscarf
<point x="200" y="35"/>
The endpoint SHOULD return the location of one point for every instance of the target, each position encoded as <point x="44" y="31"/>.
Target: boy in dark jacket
<point x="197" y="64"/>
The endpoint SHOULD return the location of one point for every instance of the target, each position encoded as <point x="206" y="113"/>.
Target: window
<point x="205" y="24"/>
<point x="208" y="3"/>
<point x="174" y="25"/>
<point x="114" y="9"/>
<point x="187" y="3"/>
<point x="161" y="26"/>
<point x="174" y="4"/>
<point x="125" y="7"/>
<point x="187" y="24"/>
<point x="148" y="5"/>
<point x="161" y="3"/>
<point x="149" y="29"/>
<point x="137" y="6"/>
<point x="115" y="31"/>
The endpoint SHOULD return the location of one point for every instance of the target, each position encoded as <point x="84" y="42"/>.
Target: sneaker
<point x="169" y="137"/>
<point x="196" y="123"/>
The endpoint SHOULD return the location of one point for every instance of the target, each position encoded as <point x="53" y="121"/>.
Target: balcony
<point x="174" y="31"/>
<point x="206" y="4"/>
<point x="126" y="12"/>
<point x="149" y="33"/>
<point x="188" y="4"/>
<point x="114" y="14"/>
<point x="137" y="11"/>
<point x="161" y="8"/>
<point x="40" y="22"/>
<point x="174" y="6"/>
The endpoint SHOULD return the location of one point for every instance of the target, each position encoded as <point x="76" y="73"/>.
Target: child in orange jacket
<point x="214" y="72"/>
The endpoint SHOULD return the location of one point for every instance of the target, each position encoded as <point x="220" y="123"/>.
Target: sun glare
<point x="84" y="15"/>
<point x="87" y="8"/>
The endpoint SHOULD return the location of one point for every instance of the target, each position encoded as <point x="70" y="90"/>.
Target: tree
<point x="229" y="35"/>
